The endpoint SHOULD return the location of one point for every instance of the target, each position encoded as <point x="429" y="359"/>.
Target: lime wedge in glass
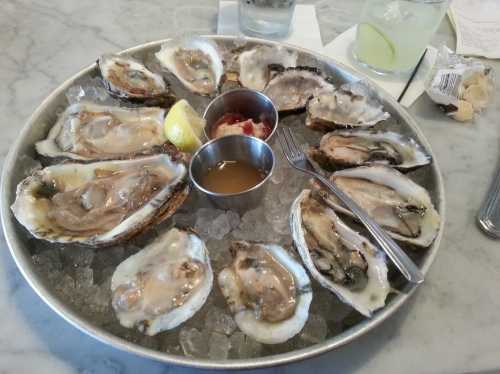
<point x="374" y="48"/>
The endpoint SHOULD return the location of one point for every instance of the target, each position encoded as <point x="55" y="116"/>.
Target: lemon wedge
<point x="374" y="48"/>
<point x="183" y="126"/>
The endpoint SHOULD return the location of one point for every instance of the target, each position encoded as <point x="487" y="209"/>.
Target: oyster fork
<point x="297" y="158"/>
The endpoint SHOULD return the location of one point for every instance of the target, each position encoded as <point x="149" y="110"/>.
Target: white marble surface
<point x="451" y="325"/>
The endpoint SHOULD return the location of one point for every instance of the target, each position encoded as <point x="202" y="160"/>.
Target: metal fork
<point x="299" y="161"/>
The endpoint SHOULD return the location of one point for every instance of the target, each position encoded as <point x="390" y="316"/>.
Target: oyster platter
<point x="102" y="217"/>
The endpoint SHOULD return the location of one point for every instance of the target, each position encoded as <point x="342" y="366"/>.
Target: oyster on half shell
<point x="87" y="131"/>
<point x="127" y="78"/>
<point x="100" y="203"/>
<point x="291" y="88"/>
<point x="164" y="284"/>
<point x="196" y="62"/>
<point x="343" y="108"/>
<point x="339" y="258"/>
<point x="399" y="205"/>
<point x="268" y="291"/>
<point x="358" y="147"/>
<point x="254" y="64"/>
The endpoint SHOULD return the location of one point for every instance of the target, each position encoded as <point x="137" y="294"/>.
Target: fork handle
<point x="489" y="214"/>
<point x="405" y="265"/>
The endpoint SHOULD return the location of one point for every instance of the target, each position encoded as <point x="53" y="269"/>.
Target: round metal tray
<point x="44" y="116"/>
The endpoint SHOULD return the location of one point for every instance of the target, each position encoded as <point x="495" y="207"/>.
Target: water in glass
<point x="266" y="17"/>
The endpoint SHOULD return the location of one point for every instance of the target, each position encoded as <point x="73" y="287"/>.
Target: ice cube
<point x="218" y="321"/>
<point x="219" y="346"/>
<point x="315" y="329"/>
<point x="242" y="346"/>
<point x="193" y="342"/>
<point x="219" y="227"/>
<point x="77" y="256"/>
<point x="184" y="220"/>
<point x="84" y="277"/>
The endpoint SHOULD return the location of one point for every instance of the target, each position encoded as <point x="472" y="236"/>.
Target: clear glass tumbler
<point x="269" y="18"/>
<point x="392" y="34"/>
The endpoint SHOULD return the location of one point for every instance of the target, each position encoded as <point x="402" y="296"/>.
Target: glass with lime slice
<point x="393" y="34"/>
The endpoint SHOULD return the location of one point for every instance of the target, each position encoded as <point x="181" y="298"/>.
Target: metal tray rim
<point x="23" y="262"/>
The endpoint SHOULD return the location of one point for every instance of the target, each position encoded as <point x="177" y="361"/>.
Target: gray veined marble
<point x="452" y="324"/>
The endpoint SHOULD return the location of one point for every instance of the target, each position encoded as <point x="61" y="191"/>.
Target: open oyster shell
<point x="127" y="78"/>
<point x="254" y="64"/>
<point x="343" y="108"/>
<point x="100" y="203"/>
<point x="87" y="131"/>
<point x="196" y="62"/>
<point x="402" y="207"/>
<point x="164" y="284"/>
<point x="339" y="258"/>
<point x="358" y="147"/>
<point x="291" y="88"/>
<point x="268" y="291"/>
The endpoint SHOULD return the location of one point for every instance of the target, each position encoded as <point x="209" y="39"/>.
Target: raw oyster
<point x="254" y="64"/>
<point x="268" y="291"/>
<point x="402" y="207"/>
<point x="100" y="203"/>
<point x="87" y="131"/>
<point x="195" y="62"/>
<point x="358" y="147"/>
<point x="293" y="87"/>
<point x="343" y="108"/>
<point x="127" y="78"/>
<point x="164" y="284"/>
<point x="339" y="258"/>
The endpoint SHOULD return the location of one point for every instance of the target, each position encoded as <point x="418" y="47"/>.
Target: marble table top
<point x="450" y="325"/>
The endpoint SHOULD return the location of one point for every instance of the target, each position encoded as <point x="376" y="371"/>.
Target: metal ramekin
<point x="238" y="148"/>
<point x="249" y="103"/>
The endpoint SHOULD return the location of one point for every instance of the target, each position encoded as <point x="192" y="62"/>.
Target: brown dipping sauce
<point x="232" y="177"/>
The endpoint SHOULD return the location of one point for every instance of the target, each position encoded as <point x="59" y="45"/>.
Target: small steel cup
<point x="238" y="148"/>
<point x="249" y="103"/>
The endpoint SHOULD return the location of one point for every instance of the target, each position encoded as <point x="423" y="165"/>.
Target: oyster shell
<point x="195" y="62"/>
<point x="87" y="131"/>
<point x="291" y="88"/>
<point x="100" y="203"/>
<point x="358" y="147"/>
<point x="268" y="292"/>
<point x="164" y="284"/>
<point x="127" y="78"/>
<point x="254" y="64"/>
<point x="343" y="108"/>
<point x="339" y="258"/>
<point x="402" y="207"/>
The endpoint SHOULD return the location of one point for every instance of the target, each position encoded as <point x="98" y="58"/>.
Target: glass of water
<point x="392" y="34"/>
<point x="269" y="18"/>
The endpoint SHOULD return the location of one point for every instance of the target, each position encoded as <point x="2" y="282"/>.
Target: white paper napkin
<point x="340" y="49"/>
<point x="477" y="25"/>
<point x="304" y="28"/>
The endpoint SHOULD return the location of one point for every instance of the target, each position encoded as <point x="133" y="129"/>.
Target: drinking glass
<point x="270" y="18"/>
<point x="392" y="34"/>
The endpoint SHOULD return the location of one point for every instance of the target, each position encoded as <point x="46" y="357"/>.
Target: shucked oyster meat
<point x="402" y="207"/>
<point x="195" y="62"/>
<point x="268" y="292"/>
<point x="100" y="203"/>
<point x="164" y="284"/>
<point x="339" y="258"/>
<point x="358" y="147"/>
<point x="127" y="78"/>
<point x="291" y="88"/>
<point x="343" y="108"/>
<point x="87" y="131"/>
<point x="254" y="64"/>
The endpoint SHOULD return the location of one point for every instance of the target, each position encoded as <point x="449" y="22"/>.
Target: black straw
<point x="412" y="76"/>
